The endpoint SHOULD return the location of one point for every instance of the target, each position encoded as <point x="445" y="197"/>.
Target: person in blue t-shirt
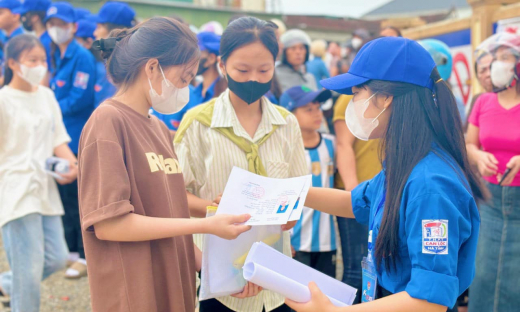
<point x="32" y="16"/>
<point x="81" y="14"/>
<point x="85" y="36"/>
<point x="73" y="74"/>
<point x="111" y="16"/>
<point x="212" y="84"/>
<point x="9" y="22"/>
<point x="85" y="29"/>
<point x="316" y="65"/>
<point x="421" y="208"/>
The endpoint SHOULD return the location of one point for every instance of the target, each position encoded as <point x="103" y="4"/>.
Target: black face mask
<point x="249" y="91"/>
<point x="26" y="22"/>
<point x="201" y="70"/>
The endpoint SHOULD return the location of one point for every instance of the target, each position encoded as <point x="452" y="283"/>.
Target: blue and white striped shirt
<point x="315" y="231"/>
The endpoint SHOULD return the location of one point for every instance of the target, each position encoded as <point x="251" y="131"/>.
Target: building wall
<point x="193" y="14"/>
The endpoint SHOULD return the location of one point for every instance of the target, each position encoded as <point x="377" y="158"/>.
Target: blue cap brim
<point x="20" y="10"/>
<point x="97" y="19"/>
<point x="210" y="47"/>
<point x="64" y="18"/>
<point x="343" y="83"/>
<point x="316" y="96"/>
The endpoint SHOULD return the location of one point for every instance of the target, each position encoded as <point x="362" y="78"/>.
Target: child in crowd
<point x="314" y="237"/>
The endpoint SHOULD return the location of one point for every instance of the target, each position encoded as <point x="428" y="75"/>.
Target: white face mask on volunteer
<point x="360" y="126"/>
<point x="356" y="43"/>
<point x="502" y="74"/>
<point x="33" y="75"/>
<point x="60" y="35"/>
<point x="172" y="98"/>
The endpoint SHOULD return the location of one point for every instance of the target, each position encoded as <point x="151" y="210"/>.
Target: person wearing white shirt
<point x="31" y="131"/>
<point x="241" y="128"/>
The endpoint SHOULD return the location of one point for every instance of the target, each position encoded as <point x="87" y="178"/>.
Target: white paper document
<point x="277" y="272"/>
<point x="222" y="260"/>
<point x="269" y="201"/>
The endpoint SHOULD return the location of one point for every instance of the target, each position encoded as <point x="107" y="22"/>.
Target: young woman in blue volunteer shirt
<point x="32" y="15"/>
<point x="73" y="74"/>
<point x="10" y="25"/>
<point x="111" y="16"/>
<point x="73" y="71"/>
<point x="420" y="209"/>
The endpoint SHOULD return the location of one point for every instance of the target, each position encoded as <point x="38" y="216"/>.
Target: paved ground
<point x="58" y="293"/>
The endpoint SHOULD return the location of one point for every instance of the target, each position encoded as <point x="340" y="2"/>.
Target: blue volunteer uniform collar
<point x="72" y="48"/>
<point x="70" y="52"/>
<point x="16" y="32"/>
<point x="209" y="92"/>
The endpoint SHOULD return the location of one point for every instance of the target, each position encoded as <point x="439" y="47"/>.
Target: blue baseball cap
<point x="10" y="4"/>
<point x="86" y="29"/>
<point x="209" y="41"/>
<point x="117" y="13"/>
<point x="33" y="5"/>
<point x="299" y="96"/>
<point x="61" y="10"/>
<point x="81" y="13"/>
<point x="389" y="58"/>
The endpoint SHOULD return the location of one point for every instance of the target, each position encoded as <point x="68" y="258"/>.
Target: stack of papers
<point x="275" y="271"/>
<point x="269" y="201"/>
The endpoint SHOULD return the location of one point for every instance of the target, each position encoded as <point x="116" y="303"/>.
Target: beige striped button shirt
<point x="207" y="157"/>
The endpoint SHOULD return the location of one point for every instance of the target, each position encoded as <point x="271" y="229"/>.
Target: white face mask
<point x="344" y="52"/>
<point x="356" y="43"/>
<point x="33" y="75"/>
<point x="502" y="74"/>
<point x="172" y="98"/>
<point x="360" y="126"/>
<point x="60" y="35"/>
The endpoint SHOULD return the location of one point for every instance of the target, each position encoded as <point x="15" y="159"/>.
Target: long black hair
<point x="417" y="120"/>
<point x="14" y="49"/>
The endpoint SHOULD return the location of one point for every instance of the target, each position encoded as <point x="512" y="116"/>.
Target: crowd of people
<point x="419" y="191"/>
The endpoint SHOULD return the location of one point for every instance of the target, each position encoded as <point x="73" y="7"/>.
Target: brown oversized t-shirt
<point x="127" y="165"/>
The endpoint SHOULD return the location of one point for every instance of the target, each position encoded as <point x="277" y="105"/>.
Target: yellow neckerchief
<point x="204" y="114"/>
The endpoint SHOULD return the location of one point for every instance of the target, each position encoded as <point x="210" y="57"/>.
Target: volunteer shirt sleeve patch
<point x="435" y="237"/>
<point x="81" y="80"/>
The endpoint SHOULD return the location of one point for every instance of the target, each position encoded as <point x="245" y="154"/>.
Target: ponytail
<point x="126" y="51"/>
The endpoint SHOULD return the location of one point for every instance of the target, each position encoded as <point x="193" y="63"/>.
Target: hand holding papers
<point x="269" y="201"/>
<point x="275" y="271"/>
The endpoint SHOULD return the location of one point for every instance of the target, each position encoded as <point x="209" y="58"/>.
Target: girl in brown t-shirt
<point x="133" y="204"/>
